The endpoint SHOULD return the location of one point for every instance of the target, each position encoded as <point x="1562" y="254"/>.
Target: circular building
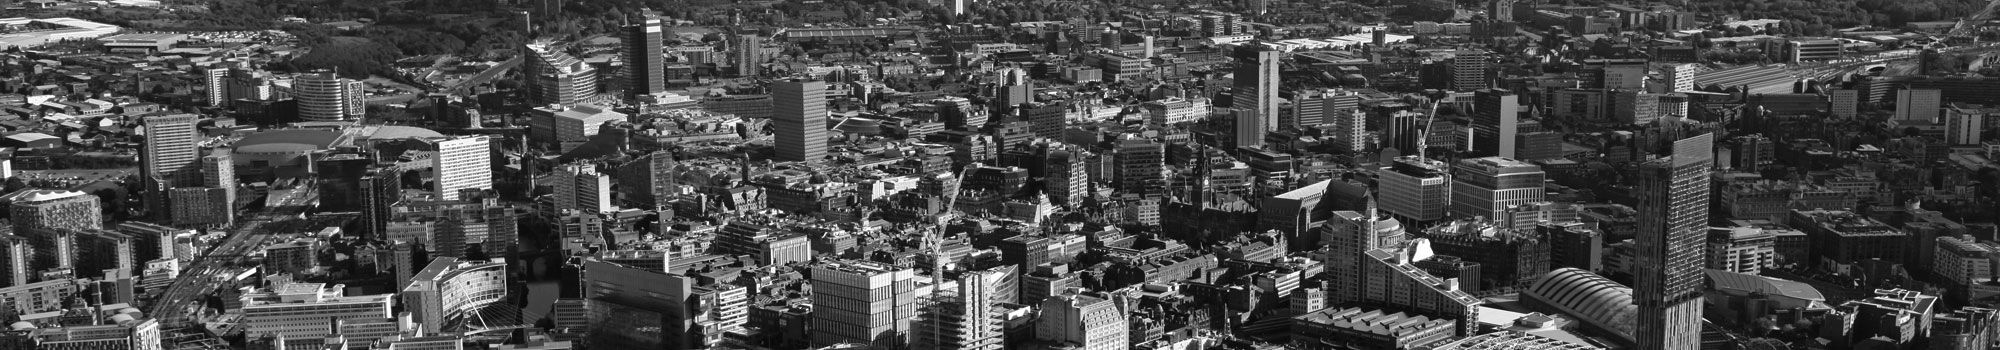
<point x="281" y="148"/>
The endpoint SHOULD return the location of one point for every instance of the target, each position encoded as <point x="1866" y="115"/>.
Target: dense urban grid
<point x="1000" y="174"/>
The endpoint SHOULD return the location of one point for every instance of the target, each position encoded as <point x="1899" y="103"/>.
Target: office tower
<point x="1139" y="160"/>
<point x="1403" y="131"/>
<point x="1249" y="128"/>
<point x="1673" y="194"/>
<point x="1090" y="322"/>
<point x="961" y="315"/>
<point x="454" y="292"/>
<point x="648" y="181"/>
<point x="1485" y="187"/>
<point x="462" y="163"/>
<point x="1350" y="131"/>
<point x="645" y="69"/>
<point x="308" y="312"/>
<point x="1014" y="89"/>
<point x="863" y="302"/>
<point x="1918" y="104"/>
<point x="380" y="190"/>
<point x="324" y="96"/>
<point x="749" y="55"/>
<point x="1321" y="107"/>
<point x="1680" y="77"/>
<point x="1066" y="181"/>
<point x="1256" y="89"/>
<point x="1468" y="71"/>
<point x="798" y="113"/>
<point x="218" y="171"/>
<point x="1415" y="189"/>
<point x="1619" y="74"/>
<point x="582" y="187"/>
<point x="1349" y="237"/>
<point x="1046" y="120"/>
<point x="1496" y="118"/>
<point x="216" y="80"/>
<point x="1846" y="102"/>
<point x="1500" y="10"/>
<point x="555" y="77"/>
<point x="1966" y="125"/>
<point x="170" y="158"/>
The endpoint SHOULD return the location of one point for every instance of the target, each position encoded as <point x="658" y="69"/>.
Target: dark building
<point x="1673" y="198"/>
<point x="645" y="71"/>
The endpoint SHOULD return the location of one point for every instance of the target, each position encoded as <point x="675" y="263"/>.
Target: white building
<point x="582" y="187"/>
<point x="1746" y="250"/>
<point x="464" y="162"/>
<point x="450" y="290"/>
<point x="1088" y="322"/>
<point x="308" y="311"/>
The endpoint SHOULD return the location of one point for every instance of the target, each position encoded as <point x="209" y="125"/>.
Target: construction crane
<point x="933" y="240"/>
<point x="1423" y="144"/>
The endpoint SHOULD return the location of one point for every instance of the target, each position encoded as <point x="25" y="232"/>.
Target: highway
<point x="180" y="305"/>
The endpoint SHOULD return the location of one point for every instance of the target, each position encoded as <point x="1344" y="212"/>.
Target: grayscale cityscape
<point x="1000" y="174"/>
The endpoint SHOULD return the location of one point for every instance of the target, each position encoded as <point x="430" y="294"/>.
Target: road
<point x="180" y="304"/>
<point x="484" y="76"/>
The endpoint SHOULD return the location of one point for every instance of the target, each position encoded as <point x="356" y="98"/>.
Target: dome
<point x="388" y="132"/>
<point x="858" y="125"/>
<point x="287" y="141"/>
<point x="1596" y="300"/>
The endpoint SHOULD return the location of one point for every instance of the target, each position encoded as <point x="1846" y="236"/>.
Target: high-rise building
<point x="1348" y="238"/>
<point x="1321" y="107"/>
<point x="1139" y="160"/>
<point x="1415" y="189"/>
<point x="962" y="315"/>
<point x="1256" y="87"/>
<point x="798" y="113"/>
<point x="555" y="77"/>
<point x="216" y="81"/>
<point x="863" y="302"/>
<point x="1090" y="322"/>
<point x="1249" y="128"/>
<point x="170" y="158"/>
<point x="1919" y="104"/>
<point x="1067" y="181"/>
<point x="645" y="69"/>
<point x="1402" y="132"/>
<point x="1350" y="131"/>
<point x="461" y="163"/>
<point x="1496" y="119"/>
<point x="1015" y="88"/>
<point x="749" y="55"/>
<point x="54" y="210"/>
<point x="1485" y="187"/>
<point x="582" y="187"/>
<point x="1965" y="124"/>
<point x="1468" y="71"/>
<point x="1680" y="77"/>
<point x="1846" y="102"/>
<point x="324" y="96"/>
<point x="1673" y="194"/>
<point x="200" y="207"/>
<point x="218" y="171"/>
<point x="648" y="181"/>
<point x="381" y="189"/>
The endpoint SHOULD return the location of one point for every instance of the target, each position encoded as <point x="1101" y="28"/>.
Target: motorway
<point x="180" y="305"/>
